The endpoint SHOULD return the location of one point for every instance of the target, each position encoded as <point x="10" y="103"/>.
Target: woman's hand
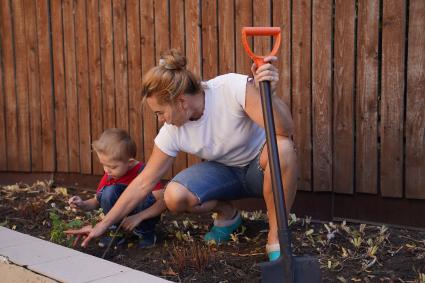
<point x="131" y="222"/>
<point x="266" y="72"/>
<point x="87" y="233"/>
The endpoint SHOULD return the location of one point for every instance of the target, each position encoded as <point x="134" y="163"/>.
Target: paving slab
<point x="80" y="268"/>
<point x="36" y="251"/>
<point x="10" y="238"/>
<point x="132" y="276"/>
<point x="64" y="264"/>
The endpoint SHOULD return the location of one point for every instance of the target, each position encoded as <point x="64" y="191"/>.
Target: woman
<point x="220" y="121"/>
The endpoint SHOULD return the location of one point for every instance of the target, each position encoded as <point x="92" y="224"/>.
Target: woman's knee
<point x="287" y="153"/>
<point x="178" y="198"/>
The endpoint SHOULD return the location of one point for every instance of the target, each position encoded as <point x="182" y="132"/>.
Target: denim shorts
<point x="210" y="180"/>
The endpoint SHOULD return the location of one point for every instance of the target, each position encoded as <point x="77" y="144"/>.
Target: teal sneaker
<point x="273" y="255"/>
<point x="273" y="251"/>
<point x="221" y="234"/>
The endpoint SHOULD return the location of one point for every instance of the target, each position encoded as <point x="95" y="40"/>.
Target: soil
<point x="347" y="252"/>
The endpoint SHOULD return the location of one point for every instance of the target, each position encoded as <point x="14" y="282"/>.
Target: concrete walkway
<point x="64" y="264"/>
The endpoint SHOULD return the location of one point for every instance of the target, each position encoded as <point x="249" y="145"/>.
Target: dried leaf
<point x="169" y="272"/>
<point x="49" y="198"/>
<point x="62" y="191"/>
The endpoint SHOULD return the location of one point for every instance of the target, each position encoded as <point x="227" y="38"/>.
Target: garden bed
<point x="347" y="252"/>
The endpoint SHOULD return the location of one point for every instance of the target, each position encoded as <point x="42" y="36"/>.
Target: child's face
<point x="114" y="168"/>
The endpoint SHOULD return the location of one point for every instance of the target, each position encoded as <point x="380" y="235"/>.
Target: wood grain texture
<point x="108" y="70"/>
<point x="71" y="85"/>
<point x="343" y="106"/>
<point x="81" y="50"/>
<point x="367" y="97"/>
<point x="322" y="95"/>
<point x="120" y="63"/>
<point x="21" y="85"/>
<point x="95" y="77"/>
<point x="392" y="98"/>
<point x="301" y="89"/>
<point x="61" y="138"/>
<point x="415" y="115"/>
<point x="282" y="18"/>
<point x="46" y="86"/>
<point x="34" y="97"/>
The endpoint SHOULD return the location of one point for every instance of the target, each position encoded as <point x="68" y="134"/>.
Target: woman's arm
<point x="282" y="115"/>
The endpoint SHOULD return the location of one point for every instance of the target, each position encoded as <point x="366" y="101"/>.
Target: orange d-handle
<point x="262" y="31"/>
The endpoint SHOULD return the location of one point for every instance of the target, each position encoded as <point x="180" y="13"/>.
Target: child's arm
<point x="131" y="222"/>
<point x="89" y="204"/>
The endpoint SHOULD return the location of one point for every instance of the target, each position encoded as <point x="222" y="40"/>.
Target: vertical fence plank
<point x="343" y="123"/>
<point x="148" y="61"/>
<point x="11" y="121"/>
<point x="367" y="97"/>
<point x="21" y="84"/>
<point x="46" y="83"/>
<point x="261" y="15"/>
<point x="71" y="85"/>
<point x="243" y="18"/>
<point x="107" y="55"/>
<point x="301" y="88"/>
<point x="226" y="37"/>
<point x="33" y="86"/>
<point x="178" y="42"/>
<point x="392" y="95"/>
<point x="282" y="18"/>
<point x="322" y="94"/>
<point x="120" y="63"/>
<point x="59" y="86"/>
<point x="193" y="47"/>
<point x="83" y="86"/>
<point x="415" y="115"/>
<point x="95" y="79"/>
<point x="134" y="75"/>
<point x="210" y="40"/>
<point x="3" y="150"/>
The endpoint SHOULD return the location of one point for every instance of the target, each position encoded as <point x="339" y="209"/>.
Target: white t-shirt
<point x="224" y="133"/>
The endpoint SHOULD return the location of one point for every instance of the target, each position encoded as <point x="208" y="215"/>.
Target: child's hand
<point x="130" y="222"/>
<point x="76" y="202"/>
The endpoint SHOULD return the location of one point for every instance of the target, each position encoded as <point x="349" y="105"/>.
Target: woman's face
<point x="173" y="114"/>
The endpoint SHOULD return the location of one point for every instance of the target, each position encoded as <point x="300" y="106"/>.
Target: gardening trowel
<point x="287" y="268"/>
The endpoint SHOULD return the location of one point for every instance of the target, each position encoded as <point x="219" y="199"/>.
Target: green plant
<point x="59" y="226"/>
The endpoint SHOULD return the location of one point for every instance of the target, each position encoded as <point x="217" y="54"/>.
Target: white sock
<point x="224" y="223"/>
<point x="273" y="248"/>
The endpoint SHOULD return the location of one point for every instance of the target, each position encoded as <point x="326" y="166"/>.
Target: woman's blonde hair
<point x="170" y="79"/>
<point x="116" y="144"/>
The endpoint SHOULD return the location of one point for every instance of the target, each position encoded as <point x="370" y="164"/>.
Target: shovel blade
<point x="306" y="270"/>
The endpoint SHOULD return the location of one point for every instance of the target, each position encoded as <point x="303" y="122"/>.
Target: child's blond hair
<point x="115" y="143"/>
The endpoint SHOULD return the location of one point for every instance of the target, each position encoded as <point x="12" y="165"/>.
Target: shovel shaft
<point x="277" y="186"/>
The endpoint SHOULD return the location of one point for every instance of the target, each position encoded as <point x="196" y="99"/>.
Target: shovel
<point x="287" y="268"/>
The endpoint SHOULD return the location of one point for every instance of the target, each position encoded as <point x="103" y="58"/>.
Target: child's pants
<point x="109" y="195"/>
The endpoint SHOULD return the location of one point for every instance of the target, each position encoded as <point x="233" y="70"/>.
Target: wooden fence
<point x="353" y="73"/>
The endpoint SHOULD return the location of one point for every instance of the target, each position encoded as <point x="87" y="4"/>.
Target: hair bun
<point x="173" y="60"/>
